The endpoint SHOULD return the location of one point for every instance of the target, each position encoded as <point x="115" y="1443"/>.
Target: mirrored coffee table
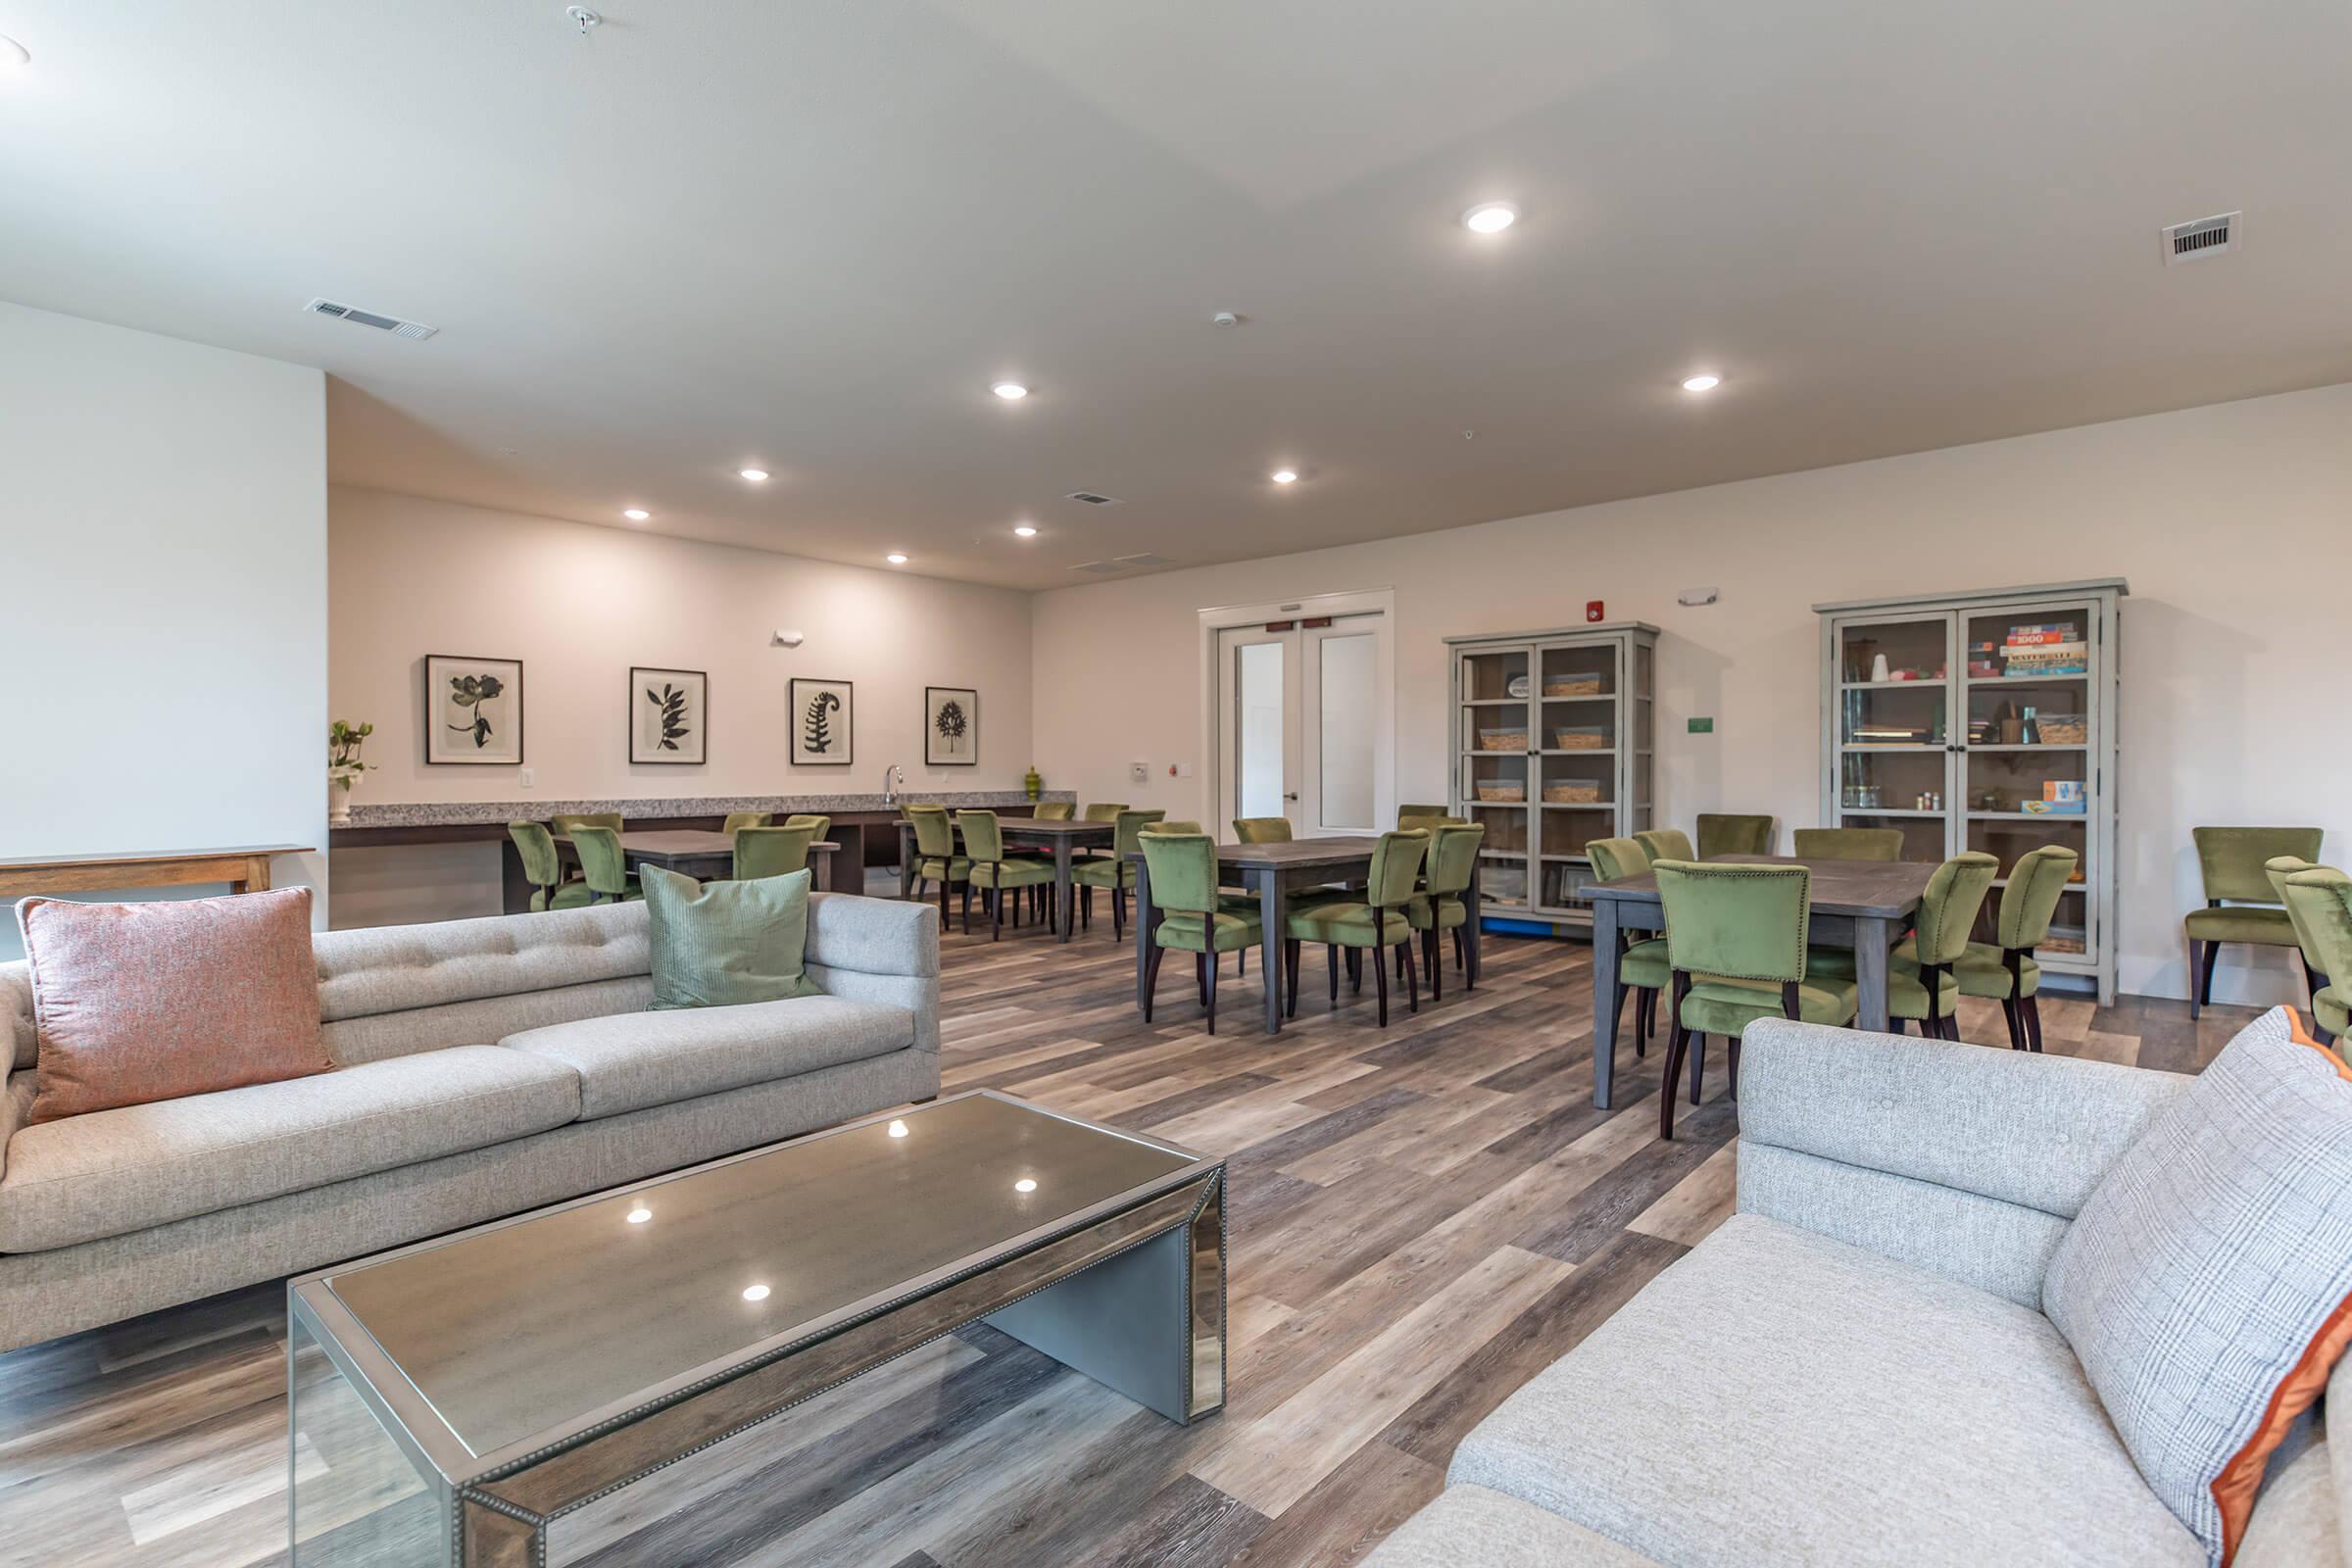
<point x="451" y="1398"/>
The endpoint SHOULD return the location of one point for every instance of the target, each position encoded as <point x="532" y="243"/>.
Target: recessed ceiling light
<point x="640" y="1214"/>
<point x="1285" y="475"/>
<point x="1702" y="383"/>
<point x="1027" y="1183"/>
<point x="754" y="1293"/>
<point x="636" y="514"/>
<point x="894" y="558"/>
<point x="1489" y="218"/>
<point x="755" y="476"/>
<point x="1010" y="391"/>
<point x="13" y="55"/>
<point x="1024" y="530"/>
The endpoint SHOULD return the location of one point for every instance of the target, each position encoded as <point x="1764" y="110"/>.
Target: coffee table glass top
<point x="530" y="1325"/>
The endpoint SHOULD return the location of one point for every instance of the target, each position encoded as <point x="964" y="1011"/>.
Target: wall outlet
<point x="1139" y="772"/>
<point x="529" y="779"/>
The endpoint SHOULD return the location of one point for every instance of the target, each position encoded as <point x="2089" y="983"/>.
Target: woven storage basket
<point x="2063" y="729"/>
<point x="1502" y="794"/>
<point x="1573" y="794"/>
<point x="1502" y="740"/>
<point x="1573" y="686"/>
<point x="1581" y="738"/>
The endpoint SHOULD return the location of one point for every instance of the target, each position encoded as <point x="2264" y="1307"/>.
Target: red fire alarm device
<point x="1592" y="609"/>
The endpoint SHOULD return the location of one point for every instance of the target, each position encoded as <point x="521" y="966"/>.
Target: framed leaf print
<point x="821" y="723"/>
<point x="669" y="715"/>
<point x="473" y="710"/>
<point x="950" y="726"/>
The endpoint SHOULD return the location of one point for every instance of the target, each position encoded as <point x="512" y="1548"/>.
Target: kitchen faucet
<point x="890" y="785"/>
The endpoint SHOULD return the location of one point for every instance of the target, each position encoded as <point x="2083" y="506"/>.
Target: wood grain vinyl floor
<point x="1422" y="1219"/>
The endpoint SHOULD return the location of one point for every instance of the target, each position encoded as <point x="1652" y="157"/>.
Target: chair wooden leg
<point x="1212" y="993"/>
<point x="1331" y="970"/>
<point x="2031" y="1007"/>
<point x="1430" y="962"/>
<point x="2213" y="955"/>
<point x="1677" y="1041"/>
<point x="1150" y="977"/>
<point x="2197" y="959"/>
<point x="1240" y="963"/>
<point x="1412" y="980"/>
<point x="1461" y="955"/>
<point x="1118" y="914"/>
<point x="1290" y="963"/>
<point x="1086" y="909"/>
<point x="1733" y="1069"/>
<point x="1355" y="969"/>
<point x="1201" y="965"/>
<point x="1699" y="1065"/>
<point x="2017" y="1028"/>
<point x="996" y="914"/>
<point x="1380" y="983"/>
<point x="968" y="909"/>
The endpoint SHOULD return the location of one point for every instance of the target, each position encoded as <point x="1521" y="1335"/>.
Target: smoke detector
<point x="383" y="324"/>
<point x="2206" y="237"/>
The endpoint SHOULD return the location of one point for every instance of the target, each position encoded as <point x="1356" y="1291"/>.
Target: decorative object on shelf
<point x="1576" y="793"/>
<point x="473" y="710"/>
<point x="1581" y="738"/>
<point x="2028" y="732"/>
<point x="1878" y="668"/>
<point x="950" y="726"/>
<point x="1502" y="794"/>
<point x="669" y="714"/>
<point x="1033" y="785"/>
<point x="2063" y="729"/>
<point x="1574" y="686"/>
<point x="344" y="767"/>
<point x="1516" y="686"/>
<point x="1502" y="740"/>
<point x="823" y="722"/>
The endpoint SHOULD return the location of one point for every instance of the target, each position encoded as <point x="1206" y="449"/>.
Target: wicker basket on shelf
<point x="1573" y="686"/>
<point x="1585" y="794"/>
<point x="1502" y="740"/>
<point x="1502" y="794"/>
<point x="2063" y="729"/>
<point x="1581" y="738"/>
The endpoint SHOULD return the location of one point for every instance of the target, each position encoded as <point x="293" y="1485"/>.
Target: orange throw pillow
<point x="133" y="1002"/>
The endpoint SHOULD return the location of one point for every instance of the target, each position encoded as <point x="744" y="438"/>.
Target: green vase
<point x="1032" y="783"/>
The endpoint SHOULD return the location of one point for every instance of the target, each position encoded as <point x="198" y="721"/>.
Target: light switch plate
<point x="528" y="779"/>
<point x="1139" y="772"/>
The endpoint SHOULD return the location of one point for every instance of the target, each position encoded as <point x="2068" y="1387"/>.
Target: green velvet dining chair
<point x="1114" y="873"/>
<point x="602" y="865"/>
<point x="1054" y="811"/>
<point x="1374" y="923"/>
<point x="1164" y="825"/>
<point x="771" y="850"/>
<point x="1643" y="969"/>
<point x="994" y="872"/>
<point x="1922" y="985"/>
<point x="2277" y="869"/>
<point x="1847" y="843"/>
<point x="2237" y="897"/>
<point x="1103" y="810"/>
<point x="2322" y="897"/>
<point x="736" y="820"/>
<point x="1736" y="947"/>
<point x="1442" y="905"/>
<point x="1721" y="834"/>
<point x="2004" y="970"/>
<point x="562" y="823"/>
<point x="543" y="868"/>
<point x="1192" y="917"/>
<point x="820" y="827"/>
<point x="1412" y="816"/>
<point x="1665" y="844"/>
<point x="936" y="860"/>
<point x="1261" y="830"/>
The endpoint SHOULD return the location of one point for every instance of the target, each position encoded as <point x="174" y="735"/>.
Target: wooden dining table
<point x="711" y="857"/>
<point x="1863" y="905"/>
<point x="1273" y="871"/>
<point x="1060" y="835"/>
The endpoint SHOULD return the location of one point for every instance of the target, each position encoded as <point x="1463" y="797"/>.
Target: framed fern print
<point x="950" y="726"/>
<point x="473" y="710"/>
<point x="669" y="716"/>
<point x="821" y="722"/>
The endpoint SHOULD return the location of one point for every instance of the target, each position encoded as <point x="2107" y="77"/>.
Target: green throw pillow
<point x="722" y="944"/>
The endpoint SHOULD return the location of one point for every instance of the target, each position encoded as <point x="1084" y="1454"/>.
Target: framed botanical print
<point x="821" y="722"/>
<point x="473" y="710"/>
<point x="950" y="726"/>
<point x="669" y="715"/>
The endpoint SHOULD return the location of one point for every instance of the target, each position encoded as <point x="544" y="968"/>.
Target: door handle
<point x="1290" y="795"/>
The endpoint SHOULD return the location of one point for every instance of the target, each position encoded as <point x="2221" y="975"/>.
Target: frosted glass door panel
<point x="1346" y="699"/>
<point x="1258" y="775"/>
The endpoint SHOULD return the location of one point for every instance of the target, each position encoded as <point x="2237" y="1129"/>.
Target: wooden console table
<point x="244" y="867"/>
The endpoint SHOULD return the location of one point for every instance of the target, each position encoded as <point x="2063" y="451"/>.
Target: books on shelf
<point x="2043" y="635"/>
<point x="2054" y="648"/>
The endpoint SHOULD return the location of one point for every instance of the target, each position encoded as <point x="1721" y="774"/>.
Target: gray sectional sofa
<point x="1854" y="1368"/>
<point x="483" y="1068"/>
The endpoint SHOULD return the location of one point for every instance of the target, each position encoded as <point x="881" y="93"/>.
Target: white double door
<point x="1305" y="724"/>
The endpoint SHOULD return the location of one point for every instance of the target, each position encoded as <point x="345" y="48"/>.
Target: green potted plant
<point x="343" y="767"/>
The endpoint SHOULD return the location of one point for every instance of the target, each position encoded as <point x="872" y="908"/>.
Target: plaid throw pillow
<point x="2207" y="1283"/>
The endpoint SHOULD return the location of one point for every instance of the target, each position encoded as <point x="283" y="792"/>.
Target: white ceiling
<point x="810" y="234"/>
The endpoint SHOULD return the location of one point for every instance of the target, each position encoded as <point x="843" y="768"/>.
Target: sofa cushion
<point x="628" y="1061"/>
<point x="396" y="967"/>
<point x="111" y="1172"/>
<point x="1778" y="1397"/>
<point x="2207" y="1283"/>
<point x="148" y="1001"/>
<point x="729" y="941"/>
<point x="1469" y="1526"/>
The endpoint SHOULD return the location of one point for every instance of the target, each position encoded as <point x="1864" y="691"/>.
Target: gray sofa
<point x="1854" y="1368"/>
<point x="482" y="1067"/>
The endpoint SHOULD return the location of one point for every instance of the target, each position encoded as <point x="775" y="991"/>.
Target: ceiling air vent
<point x="1092" y="499"/>
<point x="383" y="324"/>
<point x="2207" y="236"/>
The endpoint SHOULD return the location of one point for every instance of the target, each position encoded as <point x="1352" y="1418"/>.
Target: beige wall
<point x="580" y="604"/>
<point x="2233" y="522"/>
<point x="162" y="545"/>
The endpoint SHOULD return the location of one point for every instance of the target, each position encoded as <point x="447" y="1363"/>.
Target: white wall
<point x="579" y="605"/>
<point x="163" y="543"/>
<point x="2233" y="522"/>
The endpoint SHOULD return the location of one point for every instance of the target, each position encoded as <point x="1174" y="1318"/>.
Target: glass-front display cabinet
<point x="1985" y="721"/>
<point x="1552" y="748"/>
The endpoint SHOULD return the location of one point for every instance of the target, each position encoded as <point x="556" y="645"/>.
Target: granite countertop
<point x="452" y="813"/>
